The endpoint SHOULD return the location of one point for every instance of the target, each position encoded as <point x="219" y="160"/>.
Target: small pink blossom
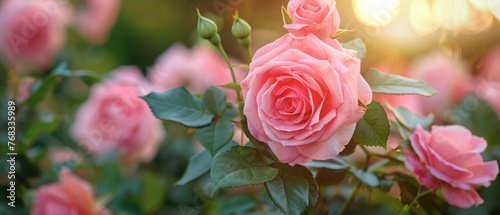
<point x="71" y="195"/>
<point x="319" y="17"/>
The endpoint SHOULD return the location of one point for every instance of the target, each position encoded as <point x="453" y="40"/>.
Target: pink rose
<point x="449" y="158"/>
<point x="319" y="17"/>
<point x="32" y="32"/>
<point x="114" y="118"/>
<point x="489" y="66"/>
<point x="196" y="69"/>
<point x="488" y="78"/>
<point x="71" y="195"/>
<point x="301" y="97"/>
<point x="446" y="75"/>
<point x="97" y="18"/>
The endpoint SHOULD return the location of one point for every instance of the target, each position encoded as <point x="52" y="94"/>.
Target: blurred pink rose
<point x="301" y="97"/>
<point x="33" y="32"/>
<point x="319" y="17"/>
<point x="410" y="102"/>
<point x="449" y="157"/>
<point x="489" y="66"/>
<point x="71" y="195"/>
<point x="488" y="79"/>
<point x="114" y="118"/>
<point x="97" y="18"/>
<point x="196" y="69"/>
<point x="446" y="75"/>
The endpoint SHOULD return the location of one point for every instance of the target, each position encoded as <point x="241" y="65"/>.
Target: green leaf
<point x="396" y="85"/>
<point x="40" y="125"/>
<point x="232" y="86"/>
<point x="237" y="205"/>
<point x="216" y="135"/>
<point x="312" y="186"/>
<point x="46" y="85"/>
<point x="367" y="178"/>
<point x="288" y="190"/>
<point x="180" y="106"/>
<point x="215" y="100"/>
<point x="152" y="192"/>
<point x="386" y="185"/>
<point x="474" y="114"/>
<point x="238" y="167"/>
<point x="356" y="45"/>
<point x="373" y="129"/>
<point x="326" y="164"/>
<point x="410" y="120"/>
<point x="286" y="17"/>
<point x="199" y="164"/>
<point x="349" y="149"/>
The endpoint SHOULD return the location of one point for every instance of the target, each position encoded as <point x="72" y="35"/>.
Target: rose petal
<point x="461" y="198"/>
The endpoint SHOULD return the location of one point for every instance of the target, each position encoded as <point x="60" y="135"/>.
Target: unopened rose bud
<point x="240" y="29"/>
<point x="207" y="29"/>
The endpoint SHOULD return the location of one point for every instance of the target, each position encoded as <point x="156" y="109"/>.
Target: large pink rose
<point x="301" y="97"/>
<point x="71" y="195"/>
<point x="97" y="18"/>
<point x="319" y="17"/>
<point x="32" y="32"/>
<point x="447" y="76"/>
<point x="196" y="69"/>
<point x="114" y="118"/>
<point x="449" y="158"/>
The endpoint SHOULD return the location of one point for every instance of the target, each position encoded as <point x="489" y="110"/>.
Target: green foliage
<point x="199" y="164"/>
<point x="373" y="129"/>
<point x="478" y="117"/>
<point x="410" y="120"/>
<point x="396" y="85"/>
<point x="45" y="86"/>
<point x="216" y="135"/>
<point x="152" y="192"/>
<point x="238" y="167"/>
<point x="215" y="100"/>
<point x="287" y="190"/>
<point x="367" y="178"/>
<point x="356" y="45"/>
<point x="180" y="106"/>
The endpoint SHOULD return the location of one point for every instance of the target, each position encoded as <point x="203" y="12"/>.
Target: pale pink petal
<point x="461" y="198"/>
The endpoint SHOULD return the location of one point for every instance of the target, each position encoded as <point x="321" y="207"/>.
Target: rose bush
<point x="319" y="17"/>
<point x="449" y="158"/>
<point x="71" y="195"/>
<point x="99" y="124"/>
<point x="301" y="97"/>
